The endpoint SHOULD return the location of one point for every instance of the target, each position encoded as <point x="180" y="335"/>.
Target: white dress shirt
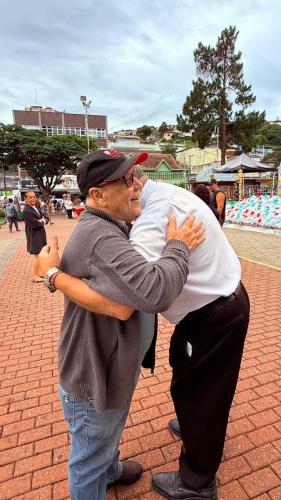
<point x="214" y="269"/>
<point x="68" y="204"/>
<point x="36" y="209"/>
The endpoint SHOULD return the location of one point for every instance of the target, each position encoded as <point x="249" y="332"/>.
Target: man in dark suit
<point x="35" y="232"/>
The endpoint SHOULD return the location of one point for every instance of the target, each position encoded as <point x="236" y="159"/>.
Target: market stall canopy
<point x="207" y="174"/>
<point x="246" y="163"/>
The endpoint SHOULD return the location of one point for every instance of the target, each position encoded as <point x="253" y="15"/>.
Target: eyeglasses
<point x="127" y="179"/>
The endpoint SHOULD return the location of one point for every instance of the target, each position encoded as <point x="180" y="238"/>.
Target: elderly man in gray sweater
<point x="100" y="356"/>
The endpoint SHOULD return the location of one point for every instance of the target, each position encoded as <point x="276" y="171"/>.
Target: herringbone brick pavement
<point x="34" y="439"/>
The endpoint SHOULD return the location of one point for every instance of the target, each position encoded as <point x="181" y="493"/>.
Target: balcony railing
<point x="166" y="176"/>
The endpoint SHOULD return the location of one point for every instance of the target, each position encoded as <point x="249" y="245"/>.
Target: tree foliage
<point x="245" y="128"/>
<point x="199" y="113"/>
<point x="271" y="134"/>
<point x="169" y="149"/>
<point x="273" y="158"/>
<point x="219" y="86"/>
<point x="46" y="159"/>
<point x="162" y="129"/>
<point x="144" y="132"/>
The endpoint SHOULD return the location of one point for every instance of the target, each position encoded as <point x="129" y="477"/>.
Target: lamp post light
<point x="86" y="106"/>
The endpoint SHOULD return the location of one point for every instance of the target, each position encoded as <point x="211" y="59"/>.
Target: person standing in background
<point x="203" y="192"/>
<point x="35" y="221"/>
<point x="16" y="203"/>
<point x="218" y="199"/>
<point x="68" y="206"/>
<point x="12" y="215"/>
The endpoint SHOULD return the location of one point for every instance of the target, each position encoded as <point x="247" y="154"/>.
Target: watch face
<point x="52" y="271"/>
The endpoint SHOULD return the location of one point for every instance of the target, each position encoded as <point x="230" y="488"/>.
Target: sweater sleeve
<point x="129" y="279"/>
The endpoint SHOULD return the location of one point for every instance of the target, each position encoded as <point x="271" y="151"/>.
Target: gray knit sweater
<point x="100" y="355"/>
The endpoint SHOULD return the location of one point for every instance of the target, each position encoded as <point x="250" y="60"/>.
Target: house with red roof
<point x="164" y="167"/>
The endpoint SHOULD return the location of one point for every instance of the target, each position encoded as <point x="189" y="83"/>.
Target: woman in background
<point x="203" y="192"/>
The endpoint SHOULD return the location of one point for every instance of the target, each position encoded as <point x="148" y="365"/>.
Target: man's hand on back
<point x="191" y="232"/>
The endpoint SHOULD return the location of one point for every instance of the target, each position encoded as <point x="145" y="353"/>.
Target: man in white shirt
<point x="68" y="205"/>
<point x="212" y="314"/>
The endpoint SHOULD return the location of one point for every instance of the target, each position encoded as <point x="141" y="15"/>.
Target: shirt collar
<point x="104" y="215"/>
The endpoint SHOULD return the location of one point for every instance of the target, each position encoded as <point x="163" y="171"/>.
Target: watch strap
<point x="48" y="278"/>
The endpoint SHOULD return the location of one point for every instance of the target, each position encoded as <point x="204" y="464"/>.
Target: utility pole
<point x="86" y="106"/>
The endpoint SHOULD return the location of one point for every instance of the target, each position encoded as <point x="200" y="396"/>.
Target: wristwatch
<point x="47" y="279"/>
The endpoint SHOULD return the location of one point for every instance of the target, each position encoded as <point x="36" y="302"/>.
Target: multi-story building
<point x="59" y="123"/>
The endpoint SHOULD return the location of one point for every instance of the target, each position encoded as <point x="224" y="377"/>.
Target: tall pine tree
<point x="199" y="114"/>
<point x="220" y="75"/>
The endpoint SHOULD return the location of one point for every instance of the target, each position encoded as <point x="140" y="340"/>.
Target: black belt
<point x="221" y="301"/>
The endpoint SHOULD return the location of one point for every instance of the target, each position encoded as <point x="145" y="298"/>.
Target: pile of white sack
<point x="261" y="211"/>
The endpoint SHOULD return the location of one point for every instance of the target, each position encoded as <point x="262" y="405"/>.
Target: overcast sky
<point x="132" y="58"/>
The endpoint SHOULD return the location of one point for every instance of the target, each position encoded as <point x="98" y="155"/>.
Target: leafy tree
<point x="219" y="86"/>
<point x="7" y="143"/>
<point x="46" y="159"/>
<point x="199" y="113"/>
<point x="169" y="149"/>
<point x="163" y="129"/>
<point x="144" y="132"/>
<point x="273" y="158"/>
<point x="152" y="138"/>
<point x="271" y="134"/>
<point x="245" y="128"/>
<point x="4" y="162"/>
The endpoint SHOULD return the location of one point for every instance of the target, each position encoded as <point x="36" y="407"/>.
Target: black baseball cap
<point x="212" y="181"/>
<point x="108" y="165"/>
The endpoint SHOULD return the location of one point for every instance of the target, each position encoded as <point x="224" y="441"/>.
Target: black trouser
<point x="69" y="213"/>
<point x="11" y="221"/>
<point x="205" y="374"/>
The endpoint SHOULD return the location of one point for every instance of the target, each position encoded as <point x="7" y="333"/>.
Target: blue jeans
<point x="94" y="456"/>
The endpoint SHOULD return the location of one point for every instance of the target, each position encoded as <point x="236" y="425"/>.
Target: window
<point x="31" y="127"/>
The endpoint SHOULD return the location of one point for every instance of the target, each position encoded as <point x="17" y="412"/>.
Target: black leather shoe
<point x="175" y="427"/>
<point x="131" y="472"/>
<point x="170" y="485"/>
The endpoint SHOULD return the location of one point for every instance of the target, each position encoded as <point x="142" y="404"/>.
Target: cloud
<point x="134" y="60"/>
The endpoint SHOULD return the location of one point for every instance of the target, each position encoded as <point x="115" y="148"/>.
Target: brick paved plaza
<point x="33" y="435"/>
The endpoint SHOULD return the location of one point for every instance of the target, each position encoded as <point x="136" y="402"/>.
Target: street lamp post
<point x="86" y="105"/>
